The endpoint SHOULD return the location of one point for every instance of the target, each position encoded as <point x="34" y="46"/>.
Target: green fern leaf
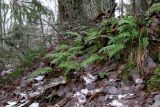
<point x="73" y="34"/>
<point x="41" y="71"/>
<point x="91" y="60"/>
<point x="69" y="65"/>
<point x="114" y="49"/>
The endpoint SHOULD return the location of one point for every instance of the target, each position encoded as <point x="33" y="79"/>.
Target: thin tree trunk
<point x="133" y="6"/>
<point x="121" y="7"/>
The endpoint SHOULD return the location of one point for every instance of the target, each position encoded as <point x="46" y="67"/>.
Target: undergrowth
<point x="125" y="39"/>
<point x="107" y="40"/>
<point x="154" y="81"/>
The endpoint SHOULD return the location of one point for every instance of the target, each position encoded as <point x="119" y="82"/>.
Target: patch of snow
<point x="110" y="96"/>
<point x="39" y="78"/>
<point x="116" y="103"/>
<point x="84" y="91"/>
<point x="34" y="94"/>
<point x="80" y="97"/>
<point x="121" y="96"/>
<point x="89" y="78"/>
<point x="138" y="81"/>
<point x="11" y="103"/>
<point x="112" y="80"/>
<point x="34" y="105"/>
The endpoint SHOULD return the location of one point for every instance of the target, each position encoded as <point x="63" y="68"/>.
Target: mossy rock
<point x="154" y="9"/>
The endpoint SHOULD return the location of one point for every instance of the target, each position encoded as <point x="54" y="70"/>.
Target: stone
<point x="91" y="86"/>
<point x="61" y="93"/>
<point x="113" y="90"/>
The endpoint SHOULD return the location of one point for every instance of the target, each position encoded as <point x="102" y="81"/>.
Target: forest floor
<point x="90" y="88"/>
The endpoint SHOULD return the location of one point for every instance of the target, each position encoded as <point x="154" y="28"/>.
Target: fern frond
<point x="91" y="60"/>
<point x="114" y="49"/>
<point x="75" y="34"/>
<point x="128" y="20"/>
<point x="78" y="48"/>
<point x="62" y="47"/>
<point x="41" y="71"/>
<point x="122" y="37"/>
<point x="69" y="65"/>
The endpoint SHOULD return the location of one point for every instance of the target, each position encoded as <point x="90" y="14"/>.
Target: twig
<point x="113" y="10"/>
<point x="54" y="28"/>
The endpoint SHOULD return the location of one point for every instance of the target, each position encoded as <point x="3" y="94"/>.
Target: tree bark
<point x="133" y="7"/>
<point x="71" y="11"/>
<point x="144" y="5"/>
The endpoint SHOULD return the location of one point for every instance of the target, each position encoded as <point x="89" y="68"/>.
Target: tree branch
<point x="54" y="28"/>
<point x="113" y="10"/>
<point x="151" y="3"/>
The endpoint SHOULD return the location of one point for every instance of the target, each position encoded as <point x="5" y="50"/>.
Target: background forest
<point x="73" y="40"/>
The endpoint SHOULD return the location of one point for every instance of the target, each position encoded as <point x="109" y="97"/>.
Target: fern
<point x="91" y="60"/>
<point x="127" y="33"/>
<point x="41" y="71"/>
<point x="75" y="34"/>
<point x="129" y="20"/>
<point x="155" y="8"/>
<point x="112" y="49"/>
<point x="92" y="34"/>
<point x="121" y="38"/>
<point x="62" y="47"/>
<point x="69" y="65"/>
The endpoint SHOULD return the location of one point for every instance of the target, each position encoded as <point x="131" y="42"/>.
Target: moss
<point x="154" y="81"/>
<point x="17" y="73"/>
<point x="155" y="8"/>
<point x="155" y="55"/>
<point x="2" y="81"/>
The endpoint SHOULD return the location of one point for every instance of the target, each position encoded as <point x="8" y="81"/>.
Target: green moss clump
<point x="17" y="73"/>
<point x="2" y="81"/>
<point x="155" y="8"/>
<point x="154" y="81"/>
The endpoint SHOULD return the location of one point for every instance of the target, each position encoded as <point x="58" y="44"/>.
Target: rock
<point x="93" y="104"/>
<point x="91" y="86"/>
<point x="137" y="106"/>
<point x="156" y="104"/>
<point x="141" y="96"/>
<point x="113" y="76"/>
<point x="150" y="101"/>
<point x="113" y="90"/>
<point x="140" y="87"/>
<point x="101" y="101"/>
<point x="61" y="93"/>
<point x="136" y="77"/>
<point x="157" y="97"/>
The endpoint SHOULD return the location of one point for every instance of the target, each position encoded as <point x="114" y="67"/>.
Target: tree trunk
<point x="144" y="5"/>
<point x="73" y="11"/>
<point x="122" y="8"/>
<point x="133" y="6"/>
